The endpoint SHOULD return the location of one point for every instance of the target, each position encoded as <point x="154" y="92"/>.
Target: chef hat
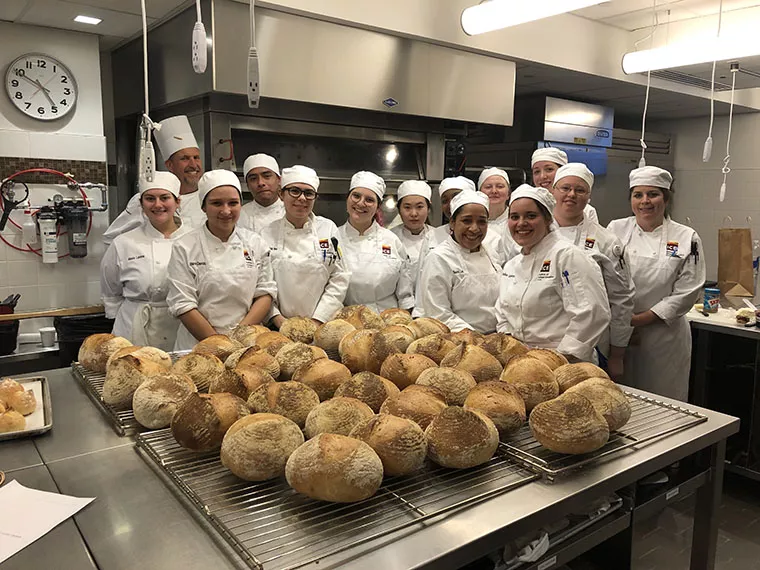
<point x="370" y="181"/>
<point x="575" y="169"/>
<point x="650" y="176"/>
<point x="415" y="188"/>
<point x="455" y="183"/>
<point x="549" y="154"/>
<point x="468" y="197"/>
<point x="260" y="161"/>
<point x="174" y="134"/>
<point x="540" y="195"/>
<point x="215" y="178"/>
<point x="161" y="180"/>
<point x="492" y="171"/>
<point x="299" y="175"/>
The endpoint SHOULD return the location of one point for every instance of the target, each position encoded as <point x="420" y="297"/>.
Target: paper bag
<point x="735" y="276"/>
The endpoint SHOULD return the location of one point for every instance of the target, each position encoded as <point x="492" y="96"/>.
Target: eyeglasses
<point x="356" y="198"/>
<point x="296" y="192"/>
<point x="579" y="190"/>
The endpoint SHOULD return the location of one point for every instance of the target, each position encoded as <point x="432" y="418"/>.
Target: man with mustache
<point x="176" y="141"/>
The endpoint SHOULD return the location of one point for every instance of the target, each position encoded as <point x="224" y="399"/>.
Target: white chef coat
<point x="381" y="274"/>
<point x="312" y="277"/>
<point x="668" y="276"/>
<point x="256" y="217"/>
<point x="134" y="286"/>
<point x="412" y="243"/>
<point x="607" y="251"/>
<point x="554" y="297"/>
<point x="459" y="287"/>
<point x="498" y="226"/>
<point x="589" y="213"/>
<point x="220" y="279"/>
<point x="132" y="217"/>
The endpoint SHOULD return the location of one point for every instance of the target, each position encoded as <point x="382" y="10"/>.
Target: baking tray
<point x="47" y="410"/>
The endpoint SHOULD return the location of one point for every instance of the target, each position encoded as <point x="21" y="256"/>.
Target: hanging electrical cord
<point x="253" y="65"/>
<point x="146" y="159"/>
<point x="707" y="150"/>
<point x="199" y="48"/>
<point x="642" y="141"/>
<point x="727" y="159"/>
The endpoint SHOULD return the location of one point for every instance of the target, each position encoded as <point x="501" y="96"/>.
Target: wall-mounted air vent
<point x="691" y="80"/>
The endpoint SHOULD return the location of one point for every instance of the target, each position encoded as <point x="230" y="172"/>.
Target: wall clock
<point x="41" y="87"/>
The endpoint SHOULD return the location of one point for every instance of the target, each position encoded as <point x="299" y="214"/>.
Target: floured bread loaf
<point x="503" y="347"/>
<point x="361" y="316"/>
<point x="607" y="399"/>
<point x="339" y="415"/>
<point x="399" y="443"/>
<point x="240" y="382"/>
<point x="254" y="357"/>
<point x="202" y="420"/>
<point x="246" y="334"/>
<point x="417" y="403"/>
<point x="257" y="447"/>
<point x="219" y="345"/>
<point x="474" y="360"/>
<point x="369" y="388"/>
<point x="404" y="369"/>
<point x="454" y="383"/>
<point x="292" y="400"/>
<point x="569" y="424"/>
<point x="97" y="348"/>
<point x="499" y="401"/>
<point x="396" y="317"/>
<point x="328" y="336"/>
<point x="364" y="350"/>
<point x="426" y="326"/>
<point x="272" y="342"/>
<point x="201" y="368"/>
<point x="299" y="329"/>
<point x="294" y="355"/>
<point x="434" y="346"/>
<point x="123" y="377"/>
<point x="335" y="468"/>
<point x="323" y="376"/>
<point x="461" y="438"/>
<point x="532" y="378"/>
<point x="569" y="375"/>
<point x="466" y="336"/>
<point x="398" y="336"/>
<point x="156" y="400"/>
<point x="551" y="358"/>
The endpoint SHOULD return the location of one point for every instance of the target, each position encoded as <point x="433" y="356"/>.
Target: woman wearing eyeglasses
<point x="311" y="275"/>
<point x="544" y="165"/>
<point x="380" y="268"/>
<point x="572" y="191"/>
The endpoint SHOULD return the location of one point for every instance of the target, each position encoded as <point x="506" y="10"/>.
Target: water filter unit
<point x="47" y="218"/>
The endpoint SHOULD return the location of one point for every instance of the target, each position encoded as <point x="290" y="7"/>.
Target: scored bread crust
<point x="475" y="360"/>
<point x="400" y="443"/>
<point x="202" y="420"/>
<point x="369" y="388"/>
<point x="156" y="400"/>
<point x="532" y="378"/>
<point x="338" y="415"/>
<point x="292" y="400"/>
<point x="499" y="401"/>
<point x="323" y="376"/>
<point x="569" y="424"/>
<point x="461" y="438"/>
<point x="453" y="382"/>
<point x="404" y="369"/>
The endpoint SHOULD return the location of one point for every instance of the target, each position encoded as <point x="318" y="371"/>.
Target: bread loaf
<point x="532" y="378"/>
<point x="8" y="387"/>
<point x="156" y="400"/>
<point x="454" y="383"/>
<point x="338" y="415"/>
<point x="328" y="336"/>
<point x="499" y="401"/>
<point x="398" y="336"/>
<point x="294" y="355"/>
<point x="219" y="345"/>
<point x="569" y="424"/>
<point x="11" y="421"/>
<point x="417" y="403"/>
<point x="201" y="368"/>
<point x="271" y="341"/>
<point x="323" y="376"/>
<point x="569" y="375"/>
<point x="551" y="358"/>
<point x="426" y="326"/>
<point x="240" y="382"/>
<point x="399" y="443"/>
<point x="299" y="329"/>
<point x="466" y="336"/>
<point x="461" y="438"/>
<point x="255" y="357"/>
<point x="257" y="447"/>
<point x="396" y="317"/>
<point x="122" y="352"/>
<point x="364" y="350"/>
<point x="97" y="348"/>
<point x="22" y="401"/>
<point x="503" y="347"/>
<point x="474" y="360"/>
<point x="246" y="334"/>
<point x="292" y="400"/>
<point x="2" y="407"/>
<point x="369" y="388"/>
<point x="434" y="346"/>
<point x="608" y="400"/>
<point x="123" y="377"/>
<point x="202" y="420"/>
<point x="361" y="316"/>
<point x="335" y="468"/>
<point x="404" y="369"/>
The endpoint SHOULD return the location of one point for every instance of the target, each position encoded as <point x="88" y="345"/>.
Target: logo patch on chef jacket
<point x="386" y="250"/>
<point x="248" y="258"/>
<point x="672" y="248"/>
<point x="546" y="267"/>
<point x="590" y="243"/>
<point x="324" y="244"/>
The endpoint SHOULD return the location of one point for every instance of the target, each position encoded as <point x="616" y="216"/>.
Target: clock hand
<point x="33" y="82"/>
<point x="46" y="92"/>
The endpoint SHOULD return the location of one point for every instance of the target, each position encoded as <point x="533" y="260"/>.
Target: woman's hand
<point x="277" y="321"/>
<point x="644" y="319"/>
<point x="615" y="363"/>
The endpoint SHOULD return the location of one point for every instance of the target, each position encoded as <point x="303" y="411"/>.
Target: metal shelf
<point x="272" y="527"/>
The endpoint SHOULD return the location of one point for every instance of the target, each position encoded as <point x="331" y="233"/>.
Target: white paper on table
<point x="28" y="514"/>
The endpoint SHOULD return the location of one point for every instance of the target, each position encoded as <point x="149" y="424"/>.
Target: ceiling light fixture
<point x="704" y="50"/>
<point x="496" y="14"/>
<point x="87" y="20"/>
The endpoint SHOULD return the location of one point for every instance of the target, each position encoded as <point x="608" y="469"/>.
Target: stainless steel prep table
<point x="138" y="521"/>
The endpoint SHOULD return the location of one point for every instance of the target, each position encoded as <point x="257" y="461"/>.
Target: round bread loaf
<point x="602" y="382"/>
<point x="201" y="368"/>
<point x="155" y="354"/>
<point x="569" y="424"/>
<point x="246" y="334"/>
<point x="369" y="388"/>
<point x="240" y="382"/>
<point x="22" y="401"/>
<point x="12" y="421"/>
<point x="294" y="355"/>
<point x="361" y="316"/>
<point x="434" y="346"/>
<point x="8" y="387"/>
<point x="466" y="336"/>
<point x="364" y="350"/>
<point x="299" y="329"/>
<point x="219" y="345"/>
<point x="417" y="403"/>
<point x="122" y="352"/>
<point x="425" y="326"/>
<point x="328" y="336"/>
<point x="97" y="349"/>
<point x="569" y="375"/>
<point x="608" y="400"/>
<point x="399" y="443"/>
<point x="551" y="358"/>
<point x="499" y="401"/>
<point x="267" y="339"/>
<point x="335" y="468"/>
<point x="156" y="400"/>
<point x="292" y="400"/>
<point x="339" y="415"/>
<point x="396" y="317"/>
<point x="2" y="407"/>
<point x="460" y="438"/>
<point x="454" y="383"/>
<point x="503" y="347"/>
<point x="532" y="378"/>
<point x="202" y="420"/>
<point x="123" y="377"/>
<point x="474" y="360"/>
<point x="256" y="447"/>
<point x="254" y="357"/>
<point x="404" y="369"/>
<point x="398" y="336"/>
<point x="323" y="376"/>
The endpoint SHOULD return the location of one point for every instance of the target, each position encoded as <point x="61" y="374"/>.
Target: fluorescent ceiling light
<point x="87" y="20"/>
<point x="497" y="14"/>
<point x="705" y="50"/>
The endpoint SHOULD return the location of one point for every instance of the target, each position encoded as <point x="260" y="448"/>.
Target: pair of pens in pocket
<point x="566" y="275"/>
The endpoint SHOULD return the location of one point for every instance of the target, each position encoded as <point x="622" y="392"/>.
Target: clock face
<point x="41" y="87"/>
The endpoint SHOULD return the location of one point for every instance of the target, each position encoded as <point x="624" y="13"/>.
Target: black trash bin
<point x="8" y="337"/>
<point x="73" y="330"/>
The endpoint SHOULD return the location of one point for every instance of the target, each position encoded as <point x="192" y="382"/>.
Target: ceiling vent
<point x="691" y="80"/>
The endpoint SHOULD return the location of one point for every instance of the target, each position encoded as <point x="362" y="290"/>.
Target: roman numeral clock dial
<point x="41" y="87"/>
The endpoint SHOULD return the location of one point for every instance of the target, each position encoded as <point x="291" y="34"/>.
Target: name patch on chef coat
<point x="386" y="250"/>
<point x="248" y="259"/>
<point x="135" y="257"/>
<point x="672" y="248"/>
<point x="590" y="243"/>
<point x="194" y="263"/>
<point x="324" y="244"/>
